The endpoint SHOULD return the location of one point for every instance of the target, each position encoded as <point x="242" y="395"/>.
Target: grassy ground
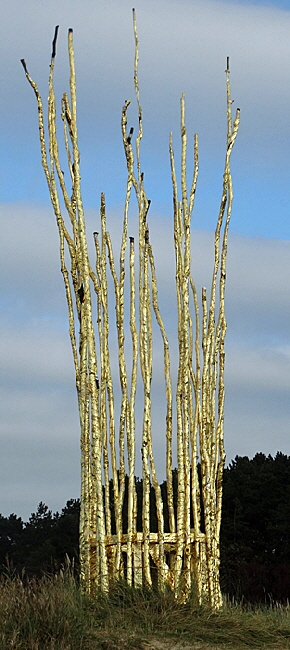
<point x="51" y="614"/>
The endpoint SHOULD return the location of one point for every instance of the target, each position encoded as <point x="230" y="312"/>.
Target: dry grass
<point x="52" y="614"/>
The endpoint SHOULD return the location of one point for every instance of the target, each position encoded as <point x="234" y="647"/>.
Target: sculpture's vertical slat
<point x="133" y="564"/>
<point x="104" y="360"/>
<point x="119" y="488"/>
<point x="88" y="373"/>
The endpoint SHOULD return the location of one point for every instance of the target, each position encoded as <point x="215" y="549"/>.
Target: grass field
<point x="51" y="614"/>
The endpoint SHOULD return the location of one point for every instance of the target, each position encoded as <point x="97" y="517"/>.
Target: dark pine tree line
<point x="255" y="534"/>
<point x="43" y="543"/>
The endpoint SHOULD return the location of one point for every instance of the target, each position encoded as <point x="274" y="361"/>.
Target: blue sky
<point x="183" y="48"/>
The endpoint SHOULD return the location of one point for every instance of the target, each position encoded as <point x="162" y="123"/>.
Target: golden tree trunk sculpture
<point x="186" y="557"/>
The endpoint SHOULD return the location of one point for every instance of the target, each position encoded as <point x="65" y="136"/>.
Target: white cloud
<point x="263" y="368"/>
<point x="35" y="349"/>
